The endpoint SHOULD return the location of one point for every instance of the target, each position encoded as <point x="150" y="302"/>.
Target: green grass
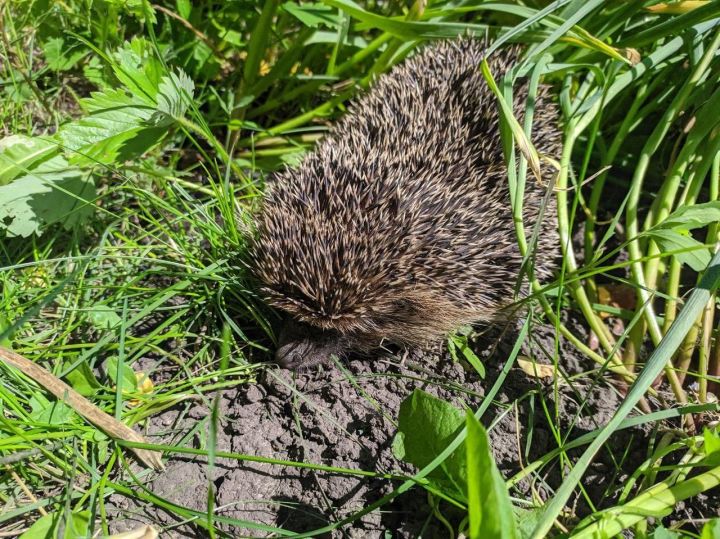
<point x="137" y="254"/>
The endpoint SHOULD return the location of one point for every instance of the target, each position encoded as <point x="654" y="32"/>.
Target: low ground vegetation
<point x="136" y="140"/>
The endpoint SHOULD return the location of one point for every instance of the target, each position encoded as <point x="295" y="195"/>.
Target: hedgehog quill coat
<point x="398" y="226"/>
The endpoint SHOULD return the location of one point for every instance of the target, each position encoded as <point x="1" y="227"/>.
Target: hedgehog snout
<point x="301" y="345"/>
<point x="294" y="354"/>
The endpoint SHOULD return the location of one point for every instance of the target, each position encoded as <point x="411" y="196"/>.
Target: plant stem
<point x="654" y="501"/>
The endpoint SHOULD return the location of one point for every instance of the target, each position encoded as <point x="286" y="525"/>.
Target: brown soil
<point x="346" y="419"/>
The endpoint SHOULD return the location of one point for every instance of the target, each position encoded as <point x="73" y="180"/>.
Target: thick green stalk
<point x="257" y="48"/>
<point x="673" y="292"/>
<point x="685" y="352"/>
<point x="601" y="331"/>
<point x="714" y="235"/>
<point x="631" y="216"/>
<point x="516" y="184"/>
<point x="654" y="502"/>
<point x="704" y="348"/>
<point x="609" y="158"/>
<point x="654" y="366"/>
<point x="686" y="164"/>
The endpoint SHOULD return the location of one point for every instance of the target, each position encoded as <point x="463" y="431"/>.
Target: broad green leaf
<point x="82" y="379"/>
<point x="52" y="193"/>
<point x="47" y="526"/>
<point x="54" y="412"/>
<point x="694" y="253"/>
<point x="129" y="380"/>
<point x="123" y="123"/>
<point x="103" y="317"/>
<point x="711" y="441"/>
<point x="526" y="520"/>
<point x="489" y="508"/>
<point x="42" y="528"/>
<point x="691" y="217"/>
<point x="184" y="8"/>
<point x="313" y="14"/>
<point x="426" y="425"/>
<point x="19" y="153"/>
<point x="664" y="533"/>
<point x="122" y="126"/>
<point x="116" y="119"/>
<point x="711" y="530"/>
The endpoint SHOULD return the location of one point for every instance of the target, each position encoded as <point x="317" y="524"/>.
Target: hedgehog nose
<point x="288" y="356"/>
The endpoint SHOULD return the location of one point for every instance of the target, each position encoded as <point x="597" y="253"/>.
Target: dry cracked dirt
<point x="345" y="416"/>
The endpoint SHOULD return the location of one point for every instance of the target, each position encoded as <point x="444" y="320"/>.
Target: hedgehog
<point x="398" y="226"/>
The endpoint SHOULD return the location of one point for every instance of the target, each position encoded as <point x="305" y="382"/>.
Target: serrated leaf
<point x="19" y="153"/>
<point x="138" y="70"/>
<point x="94" y="73"/>
<point x="122" y="126"/>
<point x="489" y="508"/>
<point x="52" y="193"/>
<point x="694" y="253"/>
<point x="173" y="99"/>
<point x="113" y="114"/>
<point x="59" y="57"/>
<point x="691" y="217"/>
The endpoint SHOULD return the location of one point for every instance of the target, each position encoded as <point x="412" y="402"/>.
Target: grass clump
<point x="136" y="141"/>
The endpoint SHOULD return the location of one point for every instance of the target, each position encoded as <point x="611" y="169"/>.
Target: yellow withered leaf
<point x="676" y="8"/>
<point x="534" y="369"/>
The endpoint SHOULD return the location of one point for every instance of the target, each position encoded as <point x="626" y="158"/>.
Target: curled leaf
<point x="534" y="369"/>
